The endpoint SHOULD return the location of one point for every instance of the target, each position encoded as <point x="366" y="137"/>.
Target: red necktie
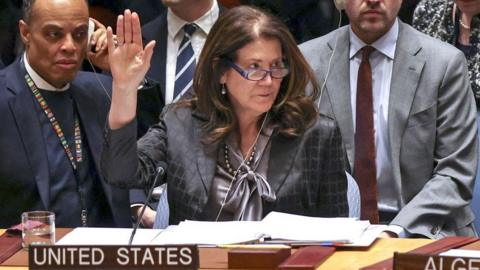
<point x="364" y="167"/>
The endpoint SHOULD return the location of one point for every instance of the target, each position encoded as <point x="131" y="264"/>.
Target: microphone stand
<point x="160" y="173"/>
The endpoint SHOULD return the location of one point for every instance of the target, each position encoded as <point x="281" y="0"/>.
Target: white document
<point x="108" y="236"/>
<point x="367" y="237"/>
<point x="210" y="233"/>
<point x="274" y="228"/>
<point x="462" y="253"/>
<point x="282" y="226"/>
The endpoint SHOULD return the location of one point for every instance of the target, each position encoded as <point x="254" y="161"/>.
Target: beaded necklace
<point x="56" y="126"/>
<point x="248" y="161"/>
<point x="464" y="25"/>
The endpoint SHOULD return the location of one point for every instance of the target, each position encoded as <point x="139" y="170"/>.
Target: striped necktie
<point x="185" y="63"/>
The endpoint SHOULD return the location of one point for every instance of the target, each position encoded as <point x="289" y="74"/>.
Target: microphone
<point x="160" y="173"/>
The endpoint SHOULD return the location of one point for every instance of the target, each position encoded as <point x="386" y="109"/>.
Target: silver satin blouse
<point x="243" y="197"/>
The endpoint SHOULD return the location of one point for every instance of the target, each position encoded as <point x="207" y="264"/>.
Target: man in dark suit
<point x="168" y="30"/>
<point x="53" y="119"/>
<point x="147" y="9"/>
<point x="306" y="19"/>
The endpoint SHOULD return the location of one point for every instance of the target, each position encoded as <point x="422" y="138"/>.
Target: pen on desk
<point x="259" y="246"/>
<point x="332" y="244"/>
<point x="323" y="244"/>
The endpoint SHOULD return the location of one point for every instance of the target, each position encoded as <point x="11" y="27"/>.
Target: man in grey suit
<point x="421" y="113"/>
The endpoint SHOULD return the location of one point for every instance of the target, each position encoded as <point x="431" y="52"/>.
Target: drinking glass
<point x="38" y="228"/>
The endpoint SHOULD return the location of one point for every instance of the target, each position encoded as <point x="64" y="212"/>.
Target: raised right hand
<point x="129" y="62"/>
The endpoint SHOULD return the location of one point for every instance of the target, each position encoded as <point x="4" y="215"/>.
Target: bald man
<point x="53" y="118"/>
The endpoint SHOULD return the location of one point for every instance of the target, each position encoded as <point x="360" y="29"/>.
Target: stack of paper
<point x="108" y="236"/>
<point x="210" y="233"/>
<point x="274" y="228"/>
<point x="288" y="227"/>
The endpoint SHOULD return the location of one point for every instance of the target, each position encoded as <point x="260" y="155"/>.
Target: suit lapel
<point x="88" y="113"/>
<point x="407" y="69"/>
<point x="282" y="154"/>
<point x="23" y="109"/>
<point x="206" y="155"/>
<point x="338" y="89"/>
<point x="158" y="31"/>
<point x="92" y="112"/>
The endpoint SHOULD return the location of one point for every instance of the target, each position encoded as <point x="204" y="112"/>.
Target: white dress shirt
<point x="175" y="36"/>
<point x="381" y="62"/>
<point x="38" y="80"/>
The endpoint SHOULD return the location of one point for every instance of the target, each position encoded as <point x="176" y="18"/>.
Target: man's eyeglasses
<point x="259" y="74"/>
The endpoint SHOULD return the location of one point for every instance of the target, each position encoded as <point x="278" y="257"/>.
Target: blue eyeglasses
<point x="259" y="74"/>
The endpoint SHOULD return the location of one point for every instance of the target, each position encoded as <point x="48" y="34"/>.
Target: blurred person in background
<point x="306" y="19"/>
<point x="10" y="43"/>
<point x="180" y="31"/>
<point x="458" y="23"/>
<point x="147" y="10"/>
<point x="406" y="10"/>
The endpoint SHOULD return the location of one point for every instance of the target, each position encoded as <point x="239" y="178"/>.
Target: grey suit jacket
<point x="431" y="125"/>
<point x="307" y="173"/>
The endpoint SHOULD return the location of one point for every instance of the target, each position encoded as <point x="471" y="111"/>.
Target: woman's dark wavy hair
<point x="293" y="110"/>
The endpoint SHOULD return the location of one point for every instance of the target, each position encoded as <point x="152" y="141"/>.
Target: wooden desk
<point x="344" y="259"/>
<point x="216" y="258"/>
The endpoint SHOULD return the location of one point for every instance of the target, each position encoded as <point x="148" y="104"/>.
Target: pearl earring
<point x="224" y="91"/>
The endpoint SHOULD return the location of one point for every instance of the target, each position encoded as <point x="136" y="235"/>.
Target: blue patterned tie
<point x="185" y="63"/>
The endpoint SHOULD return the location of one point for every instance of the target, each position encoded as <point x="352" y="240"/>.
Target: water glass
<point x="38" y="228"/>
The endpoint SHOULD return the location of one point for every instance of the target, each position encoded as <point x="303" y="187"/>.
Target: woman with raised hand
<point x="249" y="142"/>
